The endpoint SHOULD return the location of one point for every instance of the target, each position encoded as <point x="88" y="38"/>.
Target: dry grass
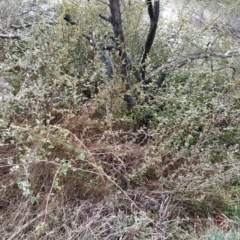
<point x="107" y="185"/>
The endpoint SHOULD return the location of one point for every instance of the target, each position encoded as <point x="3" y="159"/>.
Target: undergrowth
<point x="76" y="163"/>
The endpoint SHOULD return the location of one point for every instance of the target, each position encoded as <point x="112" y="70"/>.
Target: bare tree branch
<point x="154" y="16"/>
<point x="177" y="63"/>
<point x="125" y="62"/>
<point x="150" y="8"/>
<point x="227" y="67"/>
<point x="108" y="19"/>
<point x="103" y="56"/>
<point x="156" y="8"/>
<point x="16" y="27"/>
<point x="68" y="19"/>
<point x="116" y="19"/>
<point x="3" y="36"/>
<point x="103" y="2"/>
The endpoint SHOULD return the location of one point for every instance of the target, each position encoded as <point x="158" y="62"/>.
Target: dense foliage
<point x="77" y="163"/>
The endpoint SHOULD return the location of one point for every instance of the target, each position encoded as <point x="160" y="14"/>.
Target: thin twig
<point x="3" y="36"/>
<point x="49" y="194"/>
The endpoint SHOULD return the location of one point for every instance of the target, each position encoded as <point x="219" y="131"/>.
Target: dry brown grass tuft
<point x="103" y="187"/>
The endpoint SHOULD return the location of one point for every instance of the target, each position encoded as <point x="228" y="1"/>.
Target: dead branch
<point x="103" y="56"/>
<point x="16" y="27"/>
<point x="177" y="63"/>
<point x="125" y="61"/>
<point x="108" y="19"/>
<point x="69" y="20"/>
<point x="3" y="36"/>
<point x="153" y="12"/>
<point x="150" y="9"/>
<point x="103" y="2"/>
